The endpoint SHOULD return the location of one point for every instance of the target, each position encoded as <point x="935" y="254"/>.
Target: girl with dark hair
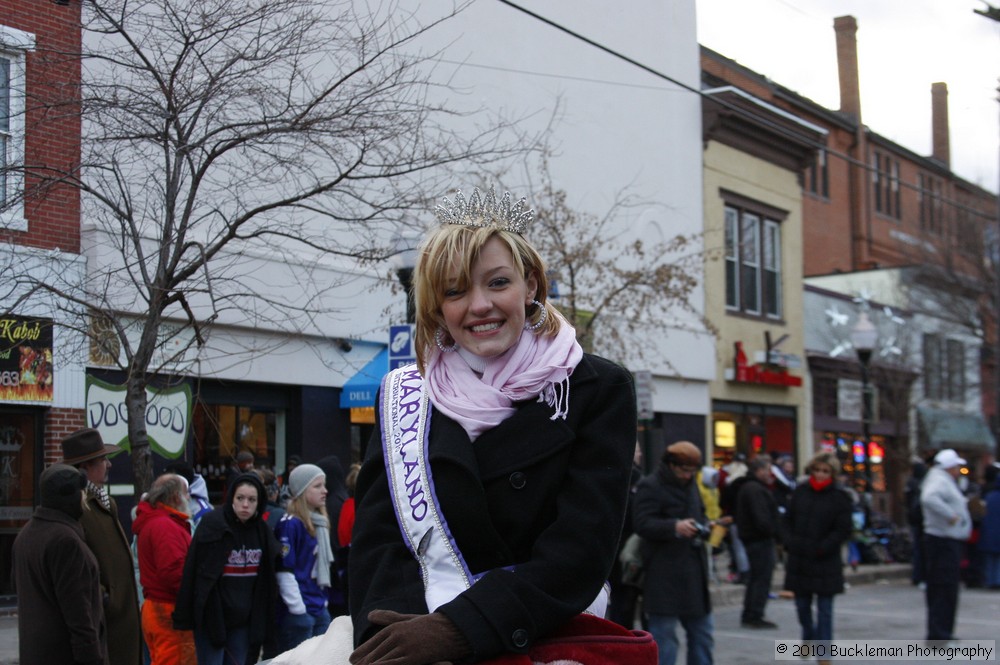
<point x="228" y="591"/>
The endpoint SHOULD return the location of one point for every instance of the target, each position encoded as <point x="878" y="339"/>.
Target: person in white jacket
<point x="947" y="526"/>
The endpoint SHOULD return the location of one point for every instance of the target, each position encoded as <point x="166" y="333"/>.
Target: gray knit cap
<point x="301" y="477"/>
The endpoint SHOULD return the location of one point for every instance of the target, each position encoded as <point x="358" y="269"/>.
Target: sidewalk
<point x="726" y="594"/>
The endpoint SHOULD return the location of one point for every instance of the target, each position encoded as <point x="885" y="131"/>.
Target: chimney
<point x="846" y="28"/>
<point x="941" y="146"/>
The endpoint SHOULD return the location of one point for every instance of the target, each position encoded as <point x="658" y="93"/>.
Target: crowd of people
<point x="486" y="514"/>
<point x="232" y="584"/>
<point x="500" y="513"/>
<point x="810" y="523"/>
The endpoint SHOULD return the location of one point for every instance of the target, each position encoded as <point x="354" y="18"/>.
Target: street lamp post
<point x="864" y="335"/>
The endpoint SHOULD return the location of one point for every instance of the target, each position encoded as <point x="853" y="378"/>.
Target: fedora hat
<point x="84" y="445"/>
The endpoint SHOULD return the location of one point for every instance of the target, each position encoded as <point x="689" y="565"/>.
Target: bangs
<point x="449" y="260"/>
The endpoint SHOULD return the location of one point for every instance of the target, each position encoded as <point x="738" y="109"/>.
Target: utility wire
<point x="735" y="109"/>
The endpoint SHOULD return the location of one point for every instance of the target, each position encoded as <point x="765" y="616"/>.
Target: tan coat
<point x="106" y="539"/>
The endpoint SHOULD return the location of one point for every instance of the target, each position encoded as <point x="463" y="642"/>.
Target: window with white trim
<point x="753" y="262"/>
<point x="14" y="44"/>
<point x="944" y="369"/>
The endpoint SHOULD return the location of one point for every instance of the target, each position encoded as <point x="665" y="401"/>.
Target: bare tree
<point x="220" y="135"/>
<point x="619" y="290"/>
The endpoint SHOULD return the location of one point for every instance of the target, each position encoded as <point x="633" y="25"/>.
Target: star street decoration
<point x="888" y="322"/>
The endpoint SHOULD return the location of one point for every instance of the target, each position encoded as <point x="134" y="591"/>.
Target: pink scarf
<point x="534" y="367"/>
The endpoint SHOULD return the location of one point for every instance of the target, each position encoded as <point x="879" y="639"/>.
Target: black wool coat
<point x="59" y="596"/>
<point x="676" y="568"/>
<point x="816" y="526"/>
<point x="199" y="600"/>
<point x="544" y="496"/>
<point x="757" y="512"/>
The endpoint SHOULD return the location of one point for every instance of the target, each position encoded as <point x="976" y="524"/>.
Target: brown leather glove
<point x="411" y="639"/>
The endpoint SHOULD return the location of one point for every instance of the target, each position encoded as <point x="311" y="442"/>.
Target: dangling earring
<point x="439" y="340"/>
<point x="543" y="314"/>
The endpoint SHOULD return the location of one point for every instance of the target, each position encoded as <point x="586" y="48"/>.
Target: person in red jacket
<point x="163" y="532"/>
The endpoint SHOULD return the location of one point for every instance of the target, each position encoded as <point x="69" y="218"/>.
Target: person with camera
<point x="669" y="516"/>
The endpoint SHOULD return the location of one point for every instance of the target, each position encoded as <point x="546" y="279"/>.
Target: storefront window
<point x="752" y="429"/>
<point x="862" y="466"/>
<point x="221" y="431"/>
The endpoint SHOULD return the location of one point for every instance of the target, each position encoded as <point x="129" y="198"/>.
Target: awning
<point x="360" y="389"/>
<point x="950" y="429"/>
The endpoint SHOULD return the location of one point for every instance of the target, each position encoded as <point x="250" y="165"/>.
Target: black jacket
<point x="545" y="496"/>
<point x="757" y="512"/>
<point x="199" y="601"/>
<point x="676" y="568"/>
<point x="817" y="524"/>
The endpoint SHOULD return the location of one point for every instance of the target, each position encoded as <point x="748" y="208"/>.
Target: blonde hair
<point x="449" y="244"/>
<point x="826" y="458"/>
<point x="300" y="509"/>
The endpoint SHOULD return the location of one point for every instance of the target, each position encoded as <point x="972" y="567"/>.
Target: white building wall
<point x="618" y="127"/>
<point x="69" y="345"/>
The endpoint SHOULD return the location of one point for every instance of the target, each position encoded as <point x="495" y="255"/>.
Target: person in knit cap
<point x="306" y="556"/>
<point x="669" y="515"/>
<point x="57" y="579"/>
<point x="86" y="450"/>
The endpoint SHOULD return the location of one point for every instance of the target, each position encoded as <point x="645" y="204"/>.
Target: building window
<point x="931" y="212"/>
<point x="944" y="369"/>
<point x="817" y="177"/>
<point x="753" y="263"/>
<point x="13" y="46"/>
<point x="885" y="182"/>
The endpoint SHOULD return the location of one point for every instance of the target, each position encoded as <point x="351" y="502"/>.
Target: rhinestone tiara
<point x="486" y="211"/>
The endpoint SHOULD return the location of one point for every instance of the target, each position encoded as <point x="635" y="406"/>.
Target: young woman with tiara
<point x="492" y="496"/>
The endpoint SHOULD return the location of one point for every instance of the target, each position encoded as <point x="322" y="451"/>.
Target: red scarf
<point x="819" y="485"/>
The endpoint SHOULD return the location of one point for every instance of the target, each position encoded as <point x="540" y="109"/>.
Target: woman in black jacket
<point x="818" y="522"/>
<point x="228" y="592"/>
<point x="491" y="500"/>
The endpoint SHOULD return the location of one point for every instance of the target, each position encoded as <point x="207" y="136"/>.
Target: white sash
<point x="406" y="418"/>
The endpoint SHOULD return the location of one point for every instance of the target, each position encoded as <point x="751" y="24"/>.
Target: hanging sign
<point x="26" y="373"/>
<point x="168" y="415"/>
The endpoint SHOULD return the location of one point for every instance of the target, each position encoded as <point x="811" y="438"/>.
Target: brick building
<point x="870" y="204"/>
<point x="40" y="395"/>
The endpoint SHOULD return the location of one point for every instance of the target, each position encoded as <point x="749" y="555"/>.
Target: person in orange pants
<point x="163" y="535"/>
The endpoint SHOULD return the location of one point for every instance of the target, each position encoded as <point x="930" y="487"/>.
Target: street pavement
<point x="888" y="609"/>
<point x="880" y="604"/>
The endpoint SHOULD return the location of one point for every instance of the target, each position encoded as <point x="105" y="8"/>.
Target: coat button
<point x="518" y="480"/>
<point x="520" y="638"/>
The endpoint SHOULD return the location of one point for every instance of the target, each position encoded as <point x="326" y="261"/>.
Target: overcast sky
<point x="903" y="47"/>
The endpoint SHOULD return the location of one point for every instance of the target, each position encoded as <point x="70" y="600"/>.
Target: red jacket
<point x="164" y="535"/>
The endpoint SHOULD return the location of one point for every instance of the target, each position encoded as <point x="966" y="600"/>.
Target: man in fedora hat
<point x="86" y="450"/>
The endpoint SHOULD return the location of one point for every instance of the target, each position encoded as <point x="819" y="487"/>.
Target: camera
<point x="703" y="531"/>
